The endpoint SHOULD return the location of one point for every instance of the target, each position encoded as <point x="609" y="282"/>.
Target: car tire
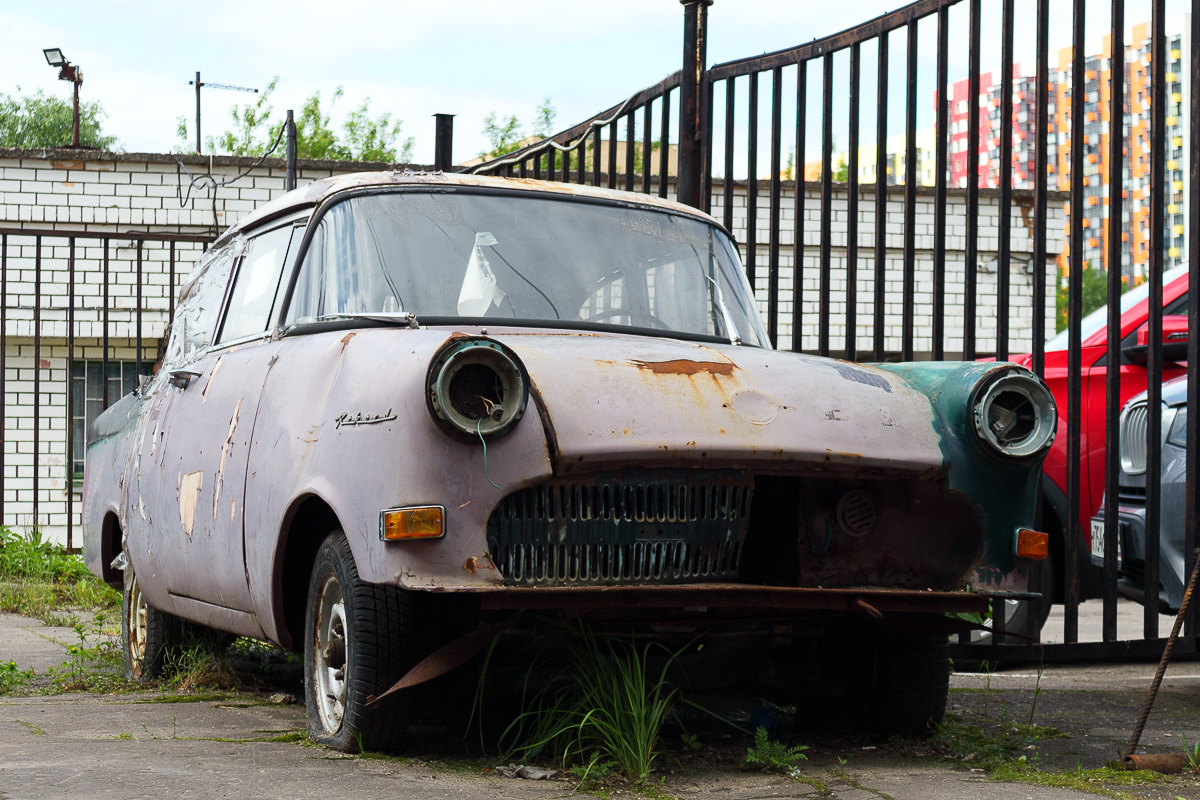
<point x="149" y="637"/>
<point x="356" y="638"/>
<point x="912" y="684"/>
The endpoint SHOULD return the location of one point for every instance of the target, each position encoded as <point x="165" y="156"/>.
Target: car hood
<point x="614" y="400"/>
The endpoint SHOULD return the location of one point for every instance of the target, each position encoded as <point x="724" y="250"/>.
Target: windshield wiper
<point x="398" y="318"/>
<point x="730" y="328"/>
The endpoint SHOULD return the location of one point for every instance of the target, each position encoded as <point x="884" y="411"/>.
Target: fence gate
<point x="955" y="239"/>
<point x="82" y="317"/>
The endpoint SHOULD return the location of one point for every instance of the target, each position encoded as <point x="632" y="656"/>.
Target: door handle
<point x="182" y="377"/>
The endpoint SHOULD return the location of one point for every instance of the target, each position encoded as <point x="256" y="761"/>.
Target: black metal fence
<point x="82" y="315"/>
<point x="718" y="142"/>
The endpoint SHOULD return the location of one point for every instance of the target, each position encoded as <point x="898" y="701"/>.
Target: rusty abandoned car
<point x="396" y="408"/>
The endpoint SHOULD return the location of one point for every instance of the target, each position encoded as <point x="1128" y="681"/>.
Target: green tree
<point x="39" y="120"/>
<point x="505" y="134"/>
<point x="363" y="138"/>
<point x="1095" y="293"/>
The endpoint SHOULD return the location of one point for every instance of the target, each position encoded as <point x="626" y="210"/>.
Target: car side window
<point x="255" y="285"/>
<point x="200" y="303"/>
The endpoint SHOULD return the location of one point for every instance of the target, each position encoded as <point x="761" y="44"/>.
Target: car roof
<point x="315" y="193"/>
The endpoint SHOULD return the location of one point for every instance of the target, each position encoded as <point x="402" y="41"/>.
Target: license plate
<point x="1098" y="539"/>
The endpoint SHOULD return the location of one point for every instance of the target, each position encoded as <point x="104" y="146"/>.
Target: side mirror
<point x="1174" y="340"/>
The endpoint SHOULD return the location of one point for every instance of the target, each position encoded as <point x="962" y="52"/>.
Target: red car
<point x="1135" y="312"/>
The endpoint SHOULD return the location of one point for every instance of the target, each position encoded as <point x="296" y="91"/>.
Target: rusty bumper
<point x="771" y="600"/>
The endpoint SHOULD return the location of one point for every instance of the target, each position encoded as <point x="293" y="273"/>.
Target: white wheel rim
<point x="331" y="656"/>
<point x="137" y="628"/>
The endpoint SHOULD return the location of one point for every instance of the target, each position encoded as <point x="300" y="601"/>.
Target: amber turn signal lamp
<point x="1032" y="544"/>
<point x="412" y="522"/>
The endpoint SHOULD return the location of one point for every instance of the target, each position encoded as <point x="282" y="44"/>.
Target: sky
<point x="461" y="57"/>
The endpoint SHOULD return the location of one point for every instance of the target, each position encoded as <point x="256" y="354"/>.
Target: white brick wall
<point x="115" y="194"/>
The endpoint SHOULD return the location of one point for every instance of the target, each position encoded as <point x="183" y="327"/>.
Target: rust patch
<point x="681" y="366"/>
<point x="471" y="565"/>
<point x="346" y="339"/>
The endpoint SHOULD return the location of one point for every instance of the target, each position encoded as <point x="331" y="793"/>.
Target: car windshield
<point x="528" y="259"/>
<point x="1098" y="319"/>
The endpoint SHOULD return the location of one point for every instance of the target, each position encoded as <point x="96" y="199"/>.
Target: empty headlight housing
<point x="1014" y="413"/>
<point x="476" y="389"/>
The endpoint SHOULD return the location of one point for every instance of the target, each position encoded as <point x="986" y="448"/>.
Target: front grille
<point x="1133" y="439"/>
<point x="1131" y="495"/>
<point x="628" y="528"/>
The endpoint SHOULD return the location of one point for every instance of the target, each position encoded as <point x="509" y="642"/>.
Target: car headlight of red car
<point x="476" y="389"/>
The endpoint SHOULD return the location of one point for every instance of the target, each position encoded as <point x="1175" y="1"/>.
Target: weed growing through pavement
<point x="94" y="661"/>
<point x="13" y="678"/>
<point x="773" y="756"/>
<point x="1191" y="751"/>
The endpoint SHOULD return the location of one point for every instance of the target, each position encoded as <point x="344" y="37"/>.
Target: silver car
<point x="1131" y="494"/>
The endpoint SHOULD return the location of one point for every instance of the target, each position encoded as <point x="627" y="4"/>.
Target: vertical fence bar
<point x="798" y="216"/>
<point x="537" y="168"/>
<point x="612" y="154"/>
<point x="171" y="285"/>
<point x="647" y="144"/>
<point x="1158" y="158"/>
<point x="523" y="168"/>
<point x="1074" y="317"/>
<point x="773" y="240"/>
<point x="910" y="195"/>
<point x="1041" y="178"/>
<point x="826" y="203"/>
<point x="727" y="188"/>
<point x="69" y="461"/>
<point x="630" y="134"/>
<point x="851" y="353"/>
<point x="1192" y="502"/>
<point x="692" y="78"/>
<point x="664" y="146"/>
<point x="1112" y="454"/>
<point x="752" y="186"/>
<point x="3" y="366"/>
<point x="138" y="313"/>
<point x="706" y="144"/>
<point x="596" y="139"/>
<point x="1004" y="243"/>
<point x="104" y="353"/>
<point x="881" y="197"/>
<point x="971" y="264"/>
<point x="939" y="210"/>
<point x="37" y="377"/>
<point x="581" y="167"/>
<point x="566" y="166"/>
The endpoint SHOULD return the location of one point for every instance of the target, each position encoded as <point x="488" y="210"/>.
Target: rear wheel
<point x="357" y="636"/>
<point x="148" y="636"/>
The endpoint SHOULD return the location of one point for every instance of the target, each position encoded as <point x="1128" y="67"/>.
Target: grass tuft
<point x="606" y="703"/>
<point x="40" y="579"/>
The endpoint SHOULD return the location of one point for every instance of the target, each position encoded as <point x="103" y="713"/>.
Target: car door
<point x="207" y="416"/>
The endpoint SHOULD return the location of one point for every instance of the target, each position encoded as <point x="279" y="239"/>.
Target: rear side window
<point x="200" y="304"/>
<point x="255" y="285"/>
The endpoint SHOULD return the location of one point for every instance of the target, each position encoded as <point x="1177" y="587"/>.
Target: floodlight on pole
<point x="67" y="72"/>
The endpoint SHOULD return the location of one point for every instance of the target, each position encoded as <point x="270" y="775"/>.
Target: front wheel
<point x="356" y="638"/>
